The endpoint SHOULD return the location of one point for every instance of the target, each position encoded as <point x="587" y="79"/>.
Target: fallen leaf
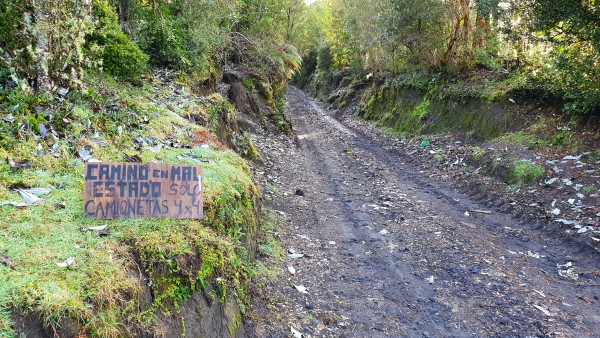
<point x="544" y="311"/>
<point x="295" y="333"/>
<point x="38" y="191"/>
<point x="29" y="198"/>
<point x="291" y="270"/>
<point x="14" y="204"/>
<point x="104" y="233"/>
<point x="155" y="149"/>
<point x="301" y="288"/>
<point x="68" y="262"/>
<point x="133" y="158"/>
<point x="481" y="211"/>
<point x="295" y="255"/>
<point x="14" y="166"/>
<point x="8" y="262"/>
<point x="470" y="225"/>
<point x="84" y="152"/>
<point x="98" y="228"/>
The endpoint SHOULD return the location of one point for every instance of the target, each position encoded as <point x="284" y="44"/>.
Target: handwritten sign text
<point x="142" y="190"/>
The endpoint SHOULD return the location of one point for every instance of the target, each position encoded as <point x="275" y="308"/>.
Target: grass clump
<point x="477" y="153"/>
<point x="524" y="171"/>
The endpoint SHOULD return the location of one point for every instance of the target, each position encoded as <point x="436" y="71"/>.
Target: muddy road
<point x="389" y="253"/>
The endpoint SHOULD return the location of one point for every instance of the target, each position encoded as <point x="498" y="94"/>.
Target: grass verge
<point x="102" y="293"/>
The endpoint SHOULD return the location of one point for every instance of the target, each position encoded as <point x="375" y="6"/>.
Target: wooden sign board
<point x="143" y="190"/>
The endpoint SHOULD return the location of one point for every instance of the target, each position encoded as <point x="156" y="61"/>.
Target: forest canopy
<point x="550" y="47"/>
<point x="45" y="44"/>
<point x="554" y="46"/>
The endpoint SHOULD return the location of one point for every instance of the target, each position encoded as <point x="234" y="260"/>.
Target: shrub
<point x="119" y="55"/>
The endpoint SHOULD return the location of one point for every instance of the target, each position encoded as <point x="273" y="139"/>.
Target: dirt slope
<point x="390" y="253"/>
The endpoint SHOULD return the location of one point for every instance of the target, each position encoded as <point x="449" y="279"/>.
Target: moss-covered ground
<point x="101" y="293"/>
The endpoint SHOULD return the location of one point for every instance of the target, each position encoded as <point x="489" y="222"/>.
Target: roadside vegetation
<point x="407" y="58"/>
<point x="129" y="81"/>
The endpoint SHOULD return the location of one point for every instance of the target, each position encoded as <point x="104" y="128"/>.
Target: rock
<point x="299" y="192"/>
<point x="244" y="100"/>
<point x="230" y="78"/>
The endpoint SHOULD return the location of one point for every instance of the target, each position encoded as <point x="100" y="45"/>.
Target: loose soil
<point x="392" y="250"/>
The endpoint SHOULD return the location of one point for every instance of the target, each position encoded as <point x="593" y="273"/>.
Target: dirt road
<point x="389" y="253"/>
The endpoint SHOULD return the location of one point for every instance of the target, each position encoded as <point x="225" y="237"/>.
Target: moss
<point x="235" y="318"/>
<point x="398" y="106"/>
<point x="100" y="294"/>
<point x="248" y="84"/>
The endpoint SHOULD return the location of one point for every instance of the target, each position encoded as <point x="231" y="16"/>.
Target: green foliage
<point x="181" y="34"/>
<point x="552" y="46"/>
<point x="566" y="73"/>
<point x="120" y="56"/>
<point x="523" y="171"/>
<point x="42" y="42"/>
<point x="179" y="255"/>
<point x="477" y="153"/>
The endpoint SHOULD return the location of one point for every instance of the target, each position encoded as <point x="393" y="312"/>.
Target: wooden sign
<point x="142" y="190"/>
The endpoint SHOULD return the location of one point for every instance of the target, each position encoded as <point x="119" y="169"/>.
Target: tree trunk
<point x="481" y="31"/>
<point x="455" y="33"/>
<point x="42" y="81"/>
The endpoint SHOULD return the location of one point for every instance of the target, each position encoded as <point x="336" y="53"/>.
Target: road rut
<point x="393" y="254"/>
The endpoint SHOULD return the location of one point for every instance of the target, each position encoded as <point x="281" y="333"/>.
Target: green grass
<point x="523" y="171"/>
<point x="269" y="242"/>
<point x="477" y="153"/>
<point x="519" y="138"/>
<point x="100" y="293"/>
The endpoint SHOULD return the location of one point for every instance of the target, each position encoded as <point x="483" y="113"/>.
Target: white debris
<point x="544" y="311"/>
<point x="295" y="333"/>
<point x="567" y="181"/>
<point x="301" y="288"/>
<point x="68" y="262"/>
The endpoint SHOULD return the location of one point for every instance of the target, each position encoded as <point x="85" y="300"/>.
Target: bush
<point x="119" y="55"/>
